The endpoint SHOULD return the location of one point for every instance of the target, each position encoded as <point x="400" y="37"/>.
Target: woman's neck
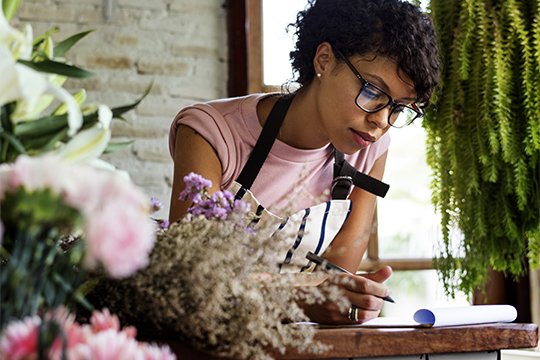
<point x="301" y="127"/>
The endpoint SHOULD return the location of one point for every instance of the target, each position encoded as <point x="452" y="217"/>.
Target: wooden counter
<point x="367" y="342"/>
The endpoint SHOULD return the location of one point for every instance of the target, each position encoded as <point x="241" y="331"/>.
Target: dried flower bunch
<point x="209" y="281"/>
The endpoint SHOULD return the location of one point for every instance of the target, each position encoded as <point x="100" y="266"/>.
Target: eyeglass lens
<point x="372" y="99"/>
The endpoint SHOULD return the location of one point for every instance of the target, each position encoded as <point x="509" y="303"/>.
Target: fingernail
<point x="388" y="292"/>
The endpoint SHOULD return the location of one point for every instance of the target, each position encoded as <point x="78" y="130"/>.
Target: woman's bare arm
<point x="349" y="245"/>
<point x="192" y="154"/>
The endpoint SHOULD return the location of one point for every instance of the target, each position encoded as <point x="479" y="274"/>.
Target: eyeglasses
<point x="372" y="99"/>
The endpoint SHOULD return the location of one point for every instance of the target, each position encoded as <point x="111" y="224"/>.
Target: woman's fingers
<point x="364" y="291"/>
<point x="380" y="275"/>
<point x="367" y="286"/>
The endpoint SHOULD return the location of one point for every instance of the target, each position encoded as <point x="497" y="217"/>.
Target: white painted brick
<point x="185" y="24"/>
<point x="195" y="88"/>
<point x="160" y="106"/>
<point x="90" y="16"/>
<point x="111" y="99"/>
<point x="154" y="150"/>
<point x="95" y="83"/>
<point x="161" y="66"/>
<point x="202" y="50"/>
<point x="79" y="2"/>
<point x="46" y="12"/>
<point x="104" y="60"/>
<point x="143" y="4"/>
<point x="138" y="131"/>
<point x="136" y="85"/>
<point x="210" y="6"/>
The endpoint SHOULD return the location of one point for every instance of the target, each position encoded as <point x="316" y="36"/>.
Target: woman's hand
<point x="364" y="291"/>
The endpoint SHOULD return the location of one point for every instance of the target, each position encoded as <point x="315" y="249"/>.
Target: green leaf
<point x="112" y="147"/>
<point x="42" y="37"/>
<point x="42" y="126"/>
<point x="61" y="135"/>
<point x="123" y="109"/>
<point x="10" y="7"/>
<point x="55" y="67"/>
<point x="49" y="125"/>
<point x="16" y="143"/>
<point x="63" y="47"/>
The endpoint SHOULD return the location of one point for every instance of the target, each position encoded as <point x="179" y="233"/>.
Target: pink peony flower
<point x="19" y="339"/>
<point x="103" y="320"/>
<point x="112" y="345"/>
<point x="118" y="232"/>
<point x="120" y="238"/>
<point x="154" y="352"/>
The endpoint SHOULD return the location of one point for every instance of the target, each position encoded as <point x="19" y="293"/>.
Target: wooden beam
<point x="238" y="47"/>
<point x="396" y="264"/>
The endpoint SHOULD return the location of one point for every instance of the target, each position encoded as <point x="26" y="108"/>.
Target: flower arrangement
<point x="33" y="72"/>
<point x="45" y="199"/>
<point x="212" y="281"/>
<point x="101" y="339"/>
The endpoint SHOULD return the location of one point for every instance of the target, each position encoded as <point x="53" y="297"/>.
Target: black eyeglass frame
<point x="393" y="105"/>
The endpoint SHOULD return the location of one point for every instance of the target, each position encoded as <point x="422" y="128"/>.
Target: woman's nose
<point x="379" y="118"/>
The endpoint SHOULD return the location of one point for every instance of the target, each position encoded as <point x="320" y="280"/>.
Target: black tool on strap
<point x="345" y="175"/>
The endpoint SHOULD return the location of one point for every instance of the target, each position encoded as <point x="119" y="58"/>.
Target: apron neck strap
<point x="264" y="144"/>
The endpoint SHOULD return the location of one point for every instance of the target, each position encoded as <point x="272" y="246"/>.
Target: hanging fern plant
<point x="484" y="139"/>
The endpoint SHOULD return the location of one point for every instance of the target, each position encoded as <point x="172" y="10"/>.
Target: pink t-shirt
<point x="289" y="176"/>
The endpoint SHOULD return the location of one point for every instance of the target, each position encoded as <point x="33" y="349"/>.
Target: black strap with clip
<point x="345" y="175"/>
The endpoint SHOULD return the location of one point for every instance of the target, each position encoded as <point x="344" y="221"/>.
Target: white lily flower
<point x="20" y="113"/>
<point x="105" y="116"/>
<point x="75" y="119"/>
<point x="91" y="143"/>
<point x="19" y="44"/>
<point x="86" y="145"/>
<point x="103" y="165"/>
<point x="21" y="83"/>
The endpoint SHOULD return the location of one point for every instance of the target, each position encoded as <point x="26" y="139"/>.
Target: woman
<point x="363" y="67"/>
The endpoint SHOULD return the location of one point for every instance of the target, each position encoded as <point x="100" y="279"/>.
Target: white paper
<point x="435" y="317"/>
<point x="450" y="316"/>
<point x="466" y="315"/>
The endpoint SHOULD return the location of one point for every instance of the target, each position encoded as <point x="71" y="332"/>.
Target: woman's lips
<point x="363" y="139"/>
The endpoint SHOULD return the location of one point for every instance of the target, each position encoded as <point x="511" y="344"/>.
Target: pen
<point x="329" y="266"/>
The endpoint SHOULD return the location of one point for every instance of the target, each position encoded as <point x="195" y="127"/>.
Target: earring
<point x="319" y="75"/>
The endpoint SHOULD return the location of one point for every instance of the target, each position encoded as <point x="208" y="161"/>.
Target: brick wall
<point x="179" y="44"/>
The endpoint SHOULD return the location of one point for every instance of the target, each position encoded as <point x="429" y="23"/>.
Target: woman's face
<point x="348" y="127"/>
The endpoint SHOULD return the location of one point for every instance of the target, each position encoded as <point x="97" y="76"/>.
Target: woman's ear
<point x="324" y="56"/>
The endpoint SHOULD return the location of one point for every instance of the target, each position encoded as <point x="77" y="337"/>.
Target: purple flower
<point x="155" y="204"/>
<point x="164" y="224"/>
<point x="241" y="207"/>
<point x="195" y="184"/>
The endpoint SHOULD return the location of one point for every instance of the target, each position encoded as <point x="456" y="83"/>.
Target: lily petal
<point x="19" y="82"/>
<point x="103" y="165"/>
<point x="18" y="43"/>
<point x="86" y="145"/>
<point x="104" y="116"/>
<point x="75" y="119"/>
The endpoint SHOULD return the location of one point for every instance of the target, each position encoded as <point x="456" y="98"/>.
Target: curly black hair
<point x="393" y="28"/>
